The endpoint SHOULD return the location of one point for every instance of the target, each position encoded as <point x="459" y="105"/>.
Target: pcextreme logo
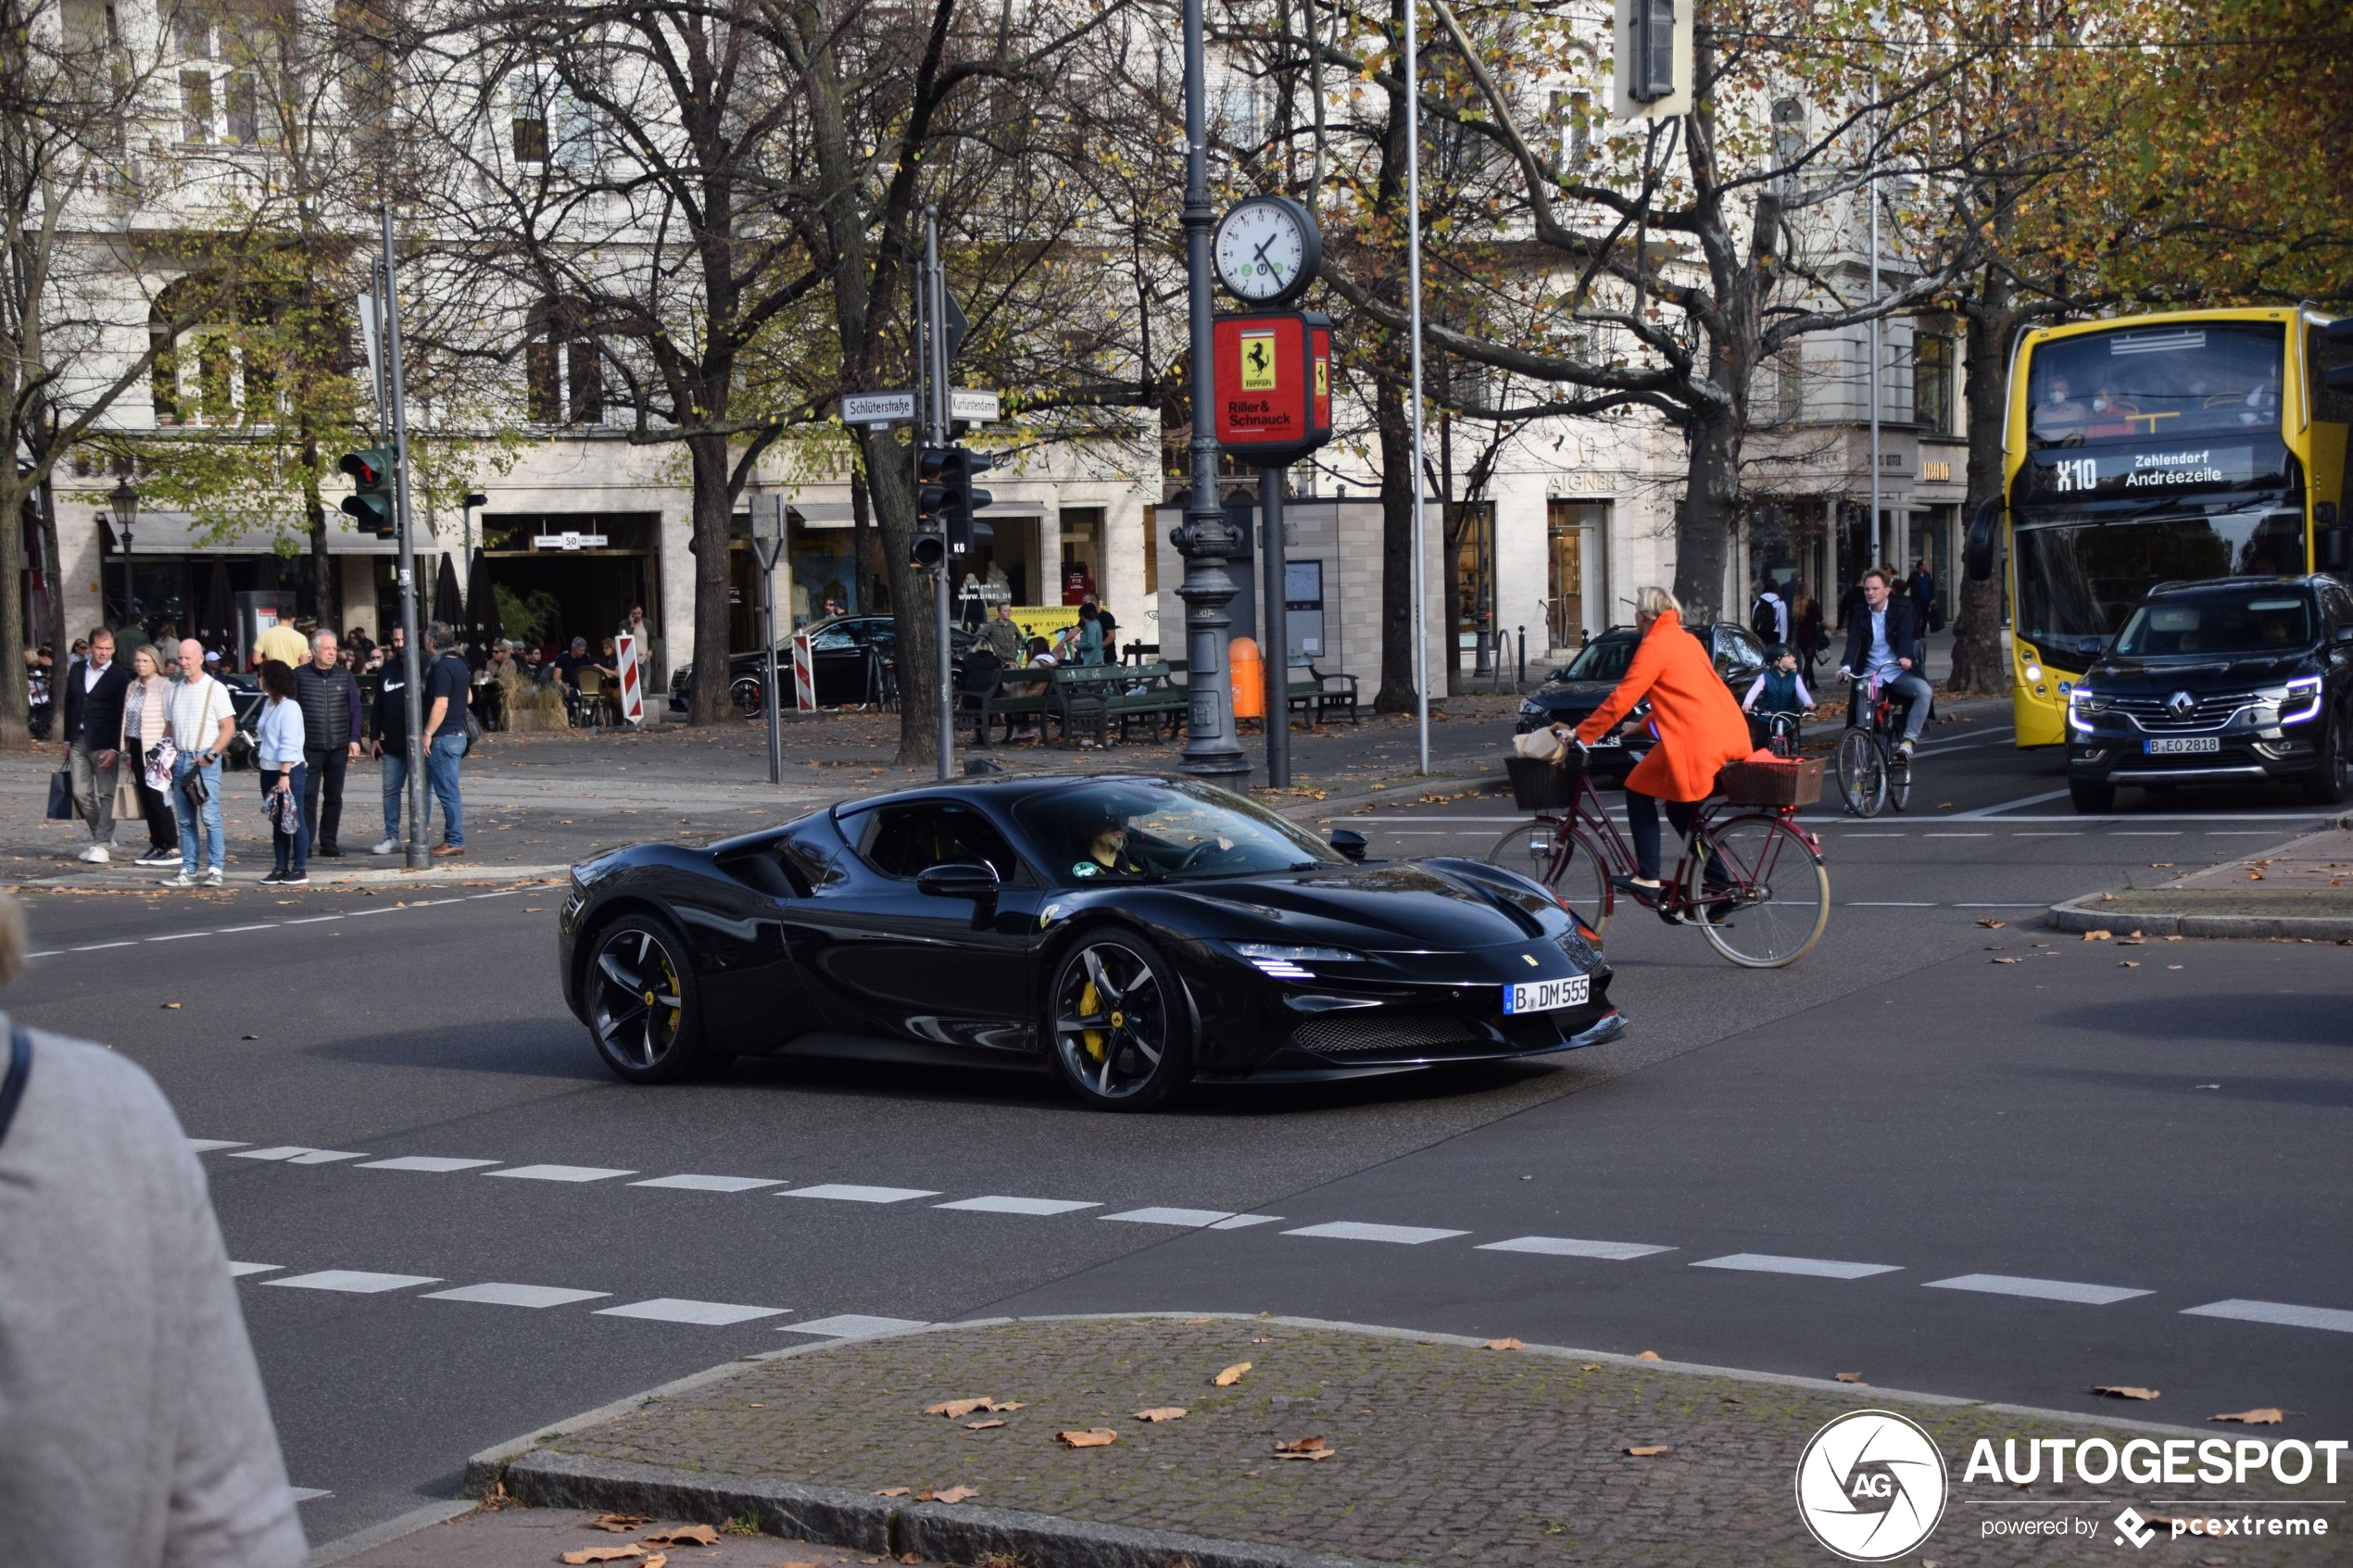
<point x="1871" y="1485"/>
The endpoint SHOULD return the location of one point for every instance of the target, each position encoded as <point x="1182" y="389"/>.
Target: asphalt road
<point x="2002" y="1180"/>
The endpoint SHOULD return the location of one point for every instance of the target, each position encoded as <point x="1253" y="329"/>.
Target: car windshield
<point x="1602" y="660"/>
<point x="2078" y="578"/>
<point x="2219" y="621"/>
<point x="1134" y="828"/>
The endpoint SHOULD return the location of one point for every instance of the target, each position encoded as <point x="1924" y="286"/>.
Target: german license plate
<point x="1543" y="996"/>
<point x="2179" y="746"/>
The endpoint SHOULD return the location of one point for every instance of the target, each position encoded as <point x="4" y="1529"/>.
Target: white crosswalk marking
<point x="1820" y="1268"/>
<point x="2280" y="1312"/>
<point x="843" y="1192"/>
<point x="2038" y="1289"/>
<point x="516" y="1295"/>
<point x="436" y="1163"/>
<point x="354" y="1281"/>
<point x="561" y="1173"/>
<point x="201" y="1146"/>
<point x="711" y="1183"/>
<point x="281" y="1151"/>
<point x="239" y="1271"/>
<point x="1243" y="1222"/>
<point x="1189" y="1217"/>
<point x="1565" y="1247"/>
<point x="1351" y="1230"/>
<point x="708" y="1314"/>
<point x="853" y="1325"/>
<point x="994" y="1205"/>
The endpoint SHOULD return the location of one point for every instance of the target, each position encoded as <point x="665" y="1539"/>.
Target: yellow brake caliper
<point x="1090" y="999"/>
<point x="671" y="977"/>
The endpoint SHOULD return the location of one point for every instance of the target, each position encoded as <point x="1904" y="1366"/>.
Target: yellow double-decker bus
<point x="2158" y="448"/>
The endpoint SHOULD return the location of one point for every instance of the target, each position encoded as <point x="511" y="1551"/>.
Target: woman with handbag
<point x="145" y="706"/>
<point x="278" y="738"/>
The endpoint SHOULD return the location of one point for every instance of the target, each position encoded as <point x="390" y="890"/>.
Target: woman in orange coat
<point x="1700" y="729"/>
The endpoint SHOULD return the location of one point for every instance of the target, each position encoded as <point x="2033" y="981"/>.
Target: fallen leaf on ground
<point x="1196" y="1321"/>
<point x="1306" y="1448"/>
<point x="683" y="1535"/>
<point x="1230" y="1377"/>
<point x="954" y="1494"/>
<point x="956" y="1410"/>
<point x="982" y="1425"/>
<point x="658" y="1560"/>
<point x="2130" y="963"/>
<point x="172" y="1007"/>
<point x="605" y="1554"/>
<point x="621" y="1523"/>
<point x="1504" y="1345"/>
<point x="1161" y="1412"/>
<point x="1993" y="925"/>
<point x="798" y="1562"/>
<point x="1093" y="1437"/>
<point x="892" y="1492"/>
<point x="2009" y="960"/>
<point x="1591" y="1366"/>
<point x="1648" y="1450"/>
<point x="2099" y="937"/>
<point x="2172" y="966"/>
<point x="2173" y="939"/>
<point x="2123" y="1391"/>
<point x="1848" y="1377"/>
<point x="2269" y="1415"/>
<point x="1646" y="1356"/>
<point x="2206" y="1085"/>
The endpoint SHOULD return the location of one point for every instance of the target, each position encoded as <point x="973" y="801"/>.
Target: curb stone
<point x="2084" y="913"/>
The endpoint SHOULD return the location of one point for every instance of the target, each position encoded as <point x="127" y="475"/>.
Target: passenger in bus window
<point x="2111" y="415"/>
<point x="2263" y="403"/>
<point x="2060" y="415"/>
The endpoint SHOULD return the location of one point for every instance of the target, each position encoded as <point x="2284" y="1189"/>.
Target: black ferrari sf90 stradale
<point x="1132" y="935"/>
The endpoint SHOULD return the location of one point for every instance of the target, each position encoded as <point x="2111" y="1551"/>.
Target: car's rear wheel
<point x="2090" y="799"/>
<point x="2330" y="785"/>
<point x="645" y="1010"/>
<point x="748" y="694"/>
<point x="1117" y="1024"/>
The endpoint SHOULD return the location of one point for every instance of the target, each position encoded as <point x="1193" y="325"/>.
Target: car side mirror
<point x="958" y="879"/>
<point x="1349" y="842"/>
<point x="2343" y="635"/>
<point x="1976" y="552"/>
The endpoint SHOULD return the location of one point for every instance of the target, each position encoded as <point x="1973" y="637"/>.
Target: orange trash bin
<point x="1249" y="678"/>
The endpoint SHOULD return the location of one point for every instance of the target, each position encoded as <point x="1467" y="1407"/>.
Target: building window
<point x="192" y="34"/>
<point x="564" y="382"/>
<point x="1932" y="381"/>
<point x="244" y="119"/>
<point x="1788" y="385"/>
<point x="530" y="136"/>
<point x="549" y="124"/>
<point x="196" y="106"/>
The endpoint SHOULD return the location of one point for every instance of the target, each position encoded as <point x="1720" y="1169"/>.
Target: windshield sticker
<point x="1086" y="868"/>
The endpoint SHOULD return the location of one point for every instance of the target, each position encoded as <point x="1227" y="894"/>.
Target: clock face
<point x="1265" y="249"/>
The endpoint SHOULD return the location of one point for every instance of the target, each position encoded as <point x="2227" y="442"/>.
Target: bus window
<point x="2159" y="382"/>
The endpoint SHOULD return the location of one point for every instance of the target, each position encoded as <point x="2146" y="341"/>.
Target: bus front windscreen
<point x="2161" y="382"/>
<point x="2080" y="577"/>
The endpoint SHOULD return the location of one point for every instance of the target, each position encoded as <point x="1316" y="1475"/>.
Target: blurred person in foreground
<point x="133" y="1431"/>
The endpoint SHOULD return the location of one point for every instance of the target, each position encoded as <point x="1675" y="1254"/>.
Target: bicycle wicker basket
<point x="1789" y="780"/>
<point x="1538" y="785"/>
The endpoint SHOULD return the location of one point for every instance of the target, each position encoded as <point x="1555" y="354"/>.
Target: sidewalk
<point x="1442" y="1451"/>
<point x="535" y="804"/>
<point x="2303" y="889"/>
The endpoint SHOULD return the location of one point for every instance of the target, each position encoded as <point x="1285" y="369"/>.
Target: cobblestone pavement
<point x="515" y="1536"/>
<point x="550" y="800"/>
<point x="1443" y="1453"/>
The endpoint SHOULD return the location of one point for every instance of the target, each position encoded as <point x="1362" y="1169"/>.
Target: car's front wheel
<point x="2331" y="784"/>
<point x="643" y="1010"/>
<point x="1117" y="1025"/>
<point x="2091" y="799"/>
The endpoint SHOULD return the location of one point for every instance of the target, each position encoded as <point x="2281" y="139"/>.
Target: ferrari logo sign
<point x="1258" y="361"/>
<point x="1323" y="378"/>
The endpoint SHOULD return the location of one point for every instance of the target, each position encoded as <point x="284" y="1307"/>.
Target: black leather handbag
<point x="61" y="796"/>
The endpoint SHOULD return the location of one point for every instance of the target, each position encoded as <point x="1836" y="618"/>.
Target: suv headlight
<point x="2297" y="701"/>
<point x="2081" y="703"/>
<point x="1531" y="709"/>
<point x="1282" y="962"/>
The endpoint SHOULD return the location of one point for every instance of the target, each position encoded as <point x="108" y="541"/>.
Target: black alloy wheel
<point x="643" y="1009"/>
<point x="1117" y="1025"/>
<point x="749" y="694"/>
<point x="2330" y="785"/>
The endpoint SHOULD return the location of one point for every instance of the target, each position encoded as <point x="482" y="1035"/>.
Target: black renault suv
<point x="2238" y="678"/>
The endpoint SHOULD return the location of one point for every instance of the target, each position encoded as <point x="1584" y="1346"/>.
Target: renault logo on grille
<point x="2181" y="705"/>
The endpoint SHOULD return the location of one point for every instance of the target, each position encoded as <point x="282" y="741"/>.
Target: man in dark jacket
<point x="94" y="738"/>
<point x="330" y="699"/>
<point x="1885" y="640"/>
<point x="391" y="745"/>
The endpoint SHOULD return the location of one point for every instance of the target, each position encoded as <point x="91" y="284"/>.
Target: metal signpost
<point x="767" y="548"/>
<point x="935" y="358"/>
<point x="415" y="859"/>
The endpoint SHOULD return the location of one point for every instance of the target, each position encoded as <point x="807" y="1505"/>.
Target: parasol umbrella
<point x="481" y="606"/>
<point x="445" y="604"/>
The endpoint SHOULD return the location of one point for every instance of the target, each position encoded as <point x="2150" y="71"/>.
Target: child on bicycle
<point x="1781" y="689"/>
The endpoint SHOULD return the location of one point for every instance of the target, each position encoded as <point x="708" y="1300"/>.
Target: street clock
<point x="1267" y="250"/>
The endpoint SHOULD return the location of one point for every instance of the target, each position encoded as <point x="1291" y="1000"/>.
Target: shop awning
<point x="175" y="533"/>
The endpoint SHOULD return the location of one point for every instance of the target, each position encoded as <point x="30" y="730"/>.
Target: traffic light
<point x="929" y="547"/>
<point x="964" y="531"/>
<point x="371" y="498"/>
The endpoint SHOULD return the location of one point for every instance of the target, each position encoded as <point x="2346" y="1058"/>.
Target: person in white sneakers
<point x="201" y="718"/>
<point x="93" y="721"/>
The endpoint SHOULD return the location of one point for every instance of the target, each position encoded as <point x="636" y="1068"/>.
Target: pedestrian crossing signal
<point x="371" y="500"/>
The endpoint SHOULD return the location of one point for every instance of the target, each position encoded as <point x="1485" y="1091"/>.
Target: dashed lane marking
<point x="1192" y="1218"/>
<point x="2280" y="1312"/>
<point x="998" y="1205"/>
<point x="297" y="1154"/>
<point x="1568" y="1247"/>
<point x="502" y="1295"/>
<point x="848" y="1192"/>
<point x="853" y="1325"/>
<point x="2037" y="1289"/>
<point x="711" y="1183"/>
<point x="561" y="1173"/>
<point x="1818" y="1268"/>
<point x="706" y="1314"/>
<point x="434" y="1164"/>
<point x="354" y="1282"/>
<point x="279" y="924"/>
<point x="1353" y="1230"/>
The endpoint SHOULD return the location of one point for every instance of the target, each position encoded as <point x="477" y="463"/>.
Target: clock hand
<point x="1276" y="268"/>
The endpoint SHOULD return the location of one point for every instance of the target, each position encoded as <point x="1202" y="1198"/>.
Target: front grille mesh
<point x="2212" y="712"/>
<point x="1343" y="1034"/>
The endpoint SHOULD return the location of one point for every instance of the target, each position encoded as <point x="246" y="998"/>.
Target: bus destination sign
<point x="2121" y="471"/>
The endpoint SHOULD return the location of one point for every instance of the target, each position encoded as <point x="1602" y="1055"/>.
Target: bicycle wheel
<point x="1574" y="872"/>
<point x="1779" y="897"/>
<point x="1862" y="772"/>
<point x="1899" y="780"/>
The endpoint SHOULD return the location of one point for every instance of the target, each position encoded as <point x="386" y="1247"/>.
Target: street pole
<point x="1413" y="286"/>
<point x="765" y="551"/>
<point x="415" y="859"/>
<point x="936" y="357"/>
<point x="1871" y="192"/>
<point x="1275" y="658"/>
<point x="1204" y="539"/>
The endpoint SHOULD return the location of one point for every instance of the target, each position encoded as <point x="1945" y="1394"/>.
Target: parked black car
<point x="1129" y="934"/>
<point x="850" y="654"/>
<point x="2238" y="678"/>
<point x="1570" y="696"/>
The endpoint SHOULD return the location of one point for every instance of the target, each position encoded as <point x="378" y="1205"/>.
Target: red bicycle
<point x="1751" y="881"/>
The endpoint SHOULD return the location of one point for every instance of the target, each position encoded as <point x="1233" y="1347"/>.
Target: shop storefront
<point x="565" y="574"/>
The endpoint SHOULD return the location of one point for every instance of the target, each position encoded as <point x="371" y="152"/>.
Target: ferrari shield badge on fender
<point x="1048" y="915"/>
